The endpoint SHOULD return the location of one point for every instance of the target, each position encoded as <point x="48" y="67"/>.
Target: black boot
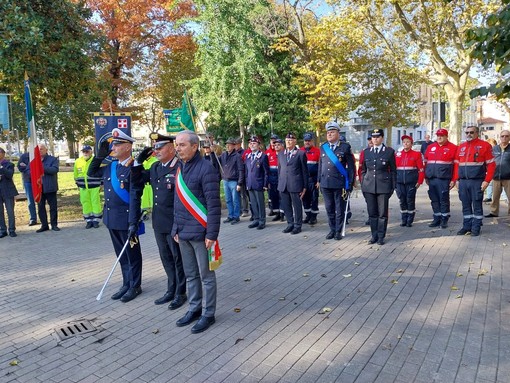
<point x="382" y="224"/>
<point x="276" y="217"/>
<point x="444" y="222"/>
<point x="404" y="219"/>
<point x="373" y="230"/>
<point x="313" y="218"/>
<point x="282" y="217"/>
<point x="307" y="219"/>
<point x="436" y="222"/>
<point x="410" y="219"/>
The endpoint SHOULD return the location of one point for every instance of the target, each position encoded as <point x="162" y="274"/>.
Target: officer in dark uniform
<point x="311" y="197"/>
<point x="256" y="171"/>
<point x="379" y="178"/>
<point x="161" y="177"/>
<point x="292" y="183"/>
<point x="119" y="216"/>
<point x="336" y="177"/>
<point x="272" y="179"/>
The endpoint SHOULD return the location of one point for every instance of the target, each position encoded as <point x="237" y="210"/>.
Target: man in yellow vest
<point x="89" y="189"/>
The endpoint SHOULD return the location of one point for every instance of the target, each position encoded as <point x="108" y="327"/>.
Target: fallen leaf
<point x="247" y="279"/>
<point x="281" y="298"/>
<point x="470" y="262"/>
<point x="357" y="263"/>
<point x="399" y="337"/>
<point x="237" y="310"/>
<point x="504" y="244"/>
<point x="394" y="281"/>
<point x="251" y="247"/>
<point x="13" y="362"/>
<point x="155" y="331"/>
<point x="325" y="310"/>
<point x="347" y="275"/>
<point x="460" y="274"/>
<point x="488" y="239"/>
<point x="238" y="340"/>
<point x="387" y="346"/>
<point x="458" y="296"/>
<point x="305" y="274"/>
<point x="482" y="272"/>
<point x="454" y="288"/>
<point x="72" y="280"/>
<point x="400" y="271"/>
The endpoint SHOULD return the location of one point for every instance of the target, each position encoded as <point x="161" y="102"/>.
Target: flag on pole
<point x="188" y="113"/>
<point x="36" y="166"/>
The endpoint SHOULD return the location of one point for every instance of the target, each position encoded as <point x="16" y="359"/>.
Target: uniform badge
<point x="433" y="149"/>
<point x="122" y="185"/>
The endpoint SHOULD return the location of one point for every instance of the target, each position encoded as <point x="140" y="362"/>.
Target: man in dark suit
<point x="379" y="179"/>
<point x="161" y="177"/>
<point x="256" y="178"/>
<point x="292" y="183"/>
<point x="119" y="214"/>
<point x="7" y="193"/>
<point x="335" y="177"/>
<point x="49" y="191"/>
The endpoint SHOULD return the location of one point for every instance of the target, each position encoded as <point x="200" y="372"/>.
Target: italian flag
<point x="36" y="166"/>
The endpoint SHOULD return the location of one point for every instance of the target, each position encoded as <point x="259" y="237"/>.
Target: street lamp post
<point x="270" y="110"/>
<point x="439" y="84"/>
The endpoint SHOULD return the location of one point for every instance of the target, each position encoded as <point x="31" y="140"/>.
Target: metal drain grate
<point x="72" y="329"/>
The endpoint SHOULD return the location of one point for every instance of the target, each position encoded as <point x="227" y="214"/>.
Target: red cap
<point x="406" y="136"/>
<point x="442" y="132"/>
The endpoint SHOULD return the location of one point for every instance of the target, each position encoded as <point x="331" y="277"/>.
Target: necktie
<point x="288" y="155"/>
<point x="332" y="146"/>
<point x="376" y="150"/>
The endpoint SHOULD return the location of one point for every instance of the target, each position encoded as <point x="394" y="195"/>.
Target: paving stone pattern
<point x="428" y="306"/>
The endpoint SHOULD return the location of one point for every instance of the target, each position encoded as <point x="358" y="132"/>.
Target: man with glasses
<point x="474" y="168"/>
<point x="501" y="178"/>
<point x="161" y="177"/>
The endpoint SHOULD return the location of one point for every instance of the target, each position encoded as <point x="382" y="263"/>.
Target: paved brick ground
<point x="413" y="310"/>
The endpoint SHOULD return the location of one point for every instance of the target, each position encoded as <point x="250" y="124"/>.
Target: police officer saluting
<point x="119" y="216"/>
<point x="474" y="168"/>
<point x="336" y="177"/>
<point x="161" y="177"/>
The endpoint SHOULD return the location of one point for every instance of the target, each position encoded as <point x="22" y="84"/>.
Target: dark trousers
<point x="41" y="209"/>
<point x="258" y="206"/>
<point x="335" y="207"/>
<point x="292" y="208"/>
<point x="311" y="198"/>
<point x="9" y="207"/>
<point x="439" y="194"/>
<point x="378" y="207"/>
<point x="471" y="197"/>
<point x="272" y="191"/>
<point x="170" y="255"/>
<point x="406" y="194"/>
<point x="30" y="199"/>
<point x="131" y="260"/>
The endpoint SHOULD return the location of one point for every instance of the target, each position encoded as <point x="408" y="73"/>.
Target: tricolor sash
<point x="337" y="163"/>
<point x="199" y="212"/>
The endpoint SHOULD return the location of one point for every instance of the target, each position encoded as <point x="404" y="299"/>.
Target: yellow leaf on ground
<point x="237" y="310"/>
<point x="454" y="288"/>
<point x="13" y="362"/>
<point x="394" y="281"/>
<point x="482" y="272"/>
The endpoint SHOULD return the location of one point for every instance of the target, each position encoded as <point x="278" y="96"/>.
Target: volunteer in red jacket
<point x="409" y="178"/>
<point x="474" y="169"/>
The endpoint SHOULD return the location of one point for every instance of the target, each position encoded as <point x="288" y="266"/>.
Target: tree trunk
<point x="456" y="98"/>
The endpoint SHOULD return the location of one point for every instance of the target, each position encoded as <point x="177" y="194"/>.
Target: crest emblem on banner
<point x="102" y="122"/>
<point x="122" y="123"/>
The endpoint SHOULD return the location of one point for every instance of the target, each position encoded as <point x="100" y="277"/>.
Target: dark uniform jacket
<point x="162" y="181"/>
<point x="257" y="171"/>
<point x="25" y="170"/>
<point x="49" y="179"/>
<point x="117" y="214"/>
<point x="7" y="187"/>
<point x="329" y="176"/>
<point x="292" y="174"/>
<point x="502" y="159"/>
<point x="233" y="167"/>
<point x="379" y="171"/>
<point x="198" y="174"/>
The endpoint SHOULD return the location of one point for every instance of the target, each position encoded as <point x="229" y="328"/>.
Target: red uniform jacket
<point x="474" y="160"/>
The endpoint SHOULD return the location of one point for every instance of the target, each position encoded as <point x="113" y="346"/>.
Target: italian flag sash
<point x="197" y="210"/>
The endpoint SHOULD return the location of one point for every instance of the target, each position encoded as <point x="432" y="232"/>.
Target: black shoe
<point x="338" y="235"/>
<point x="55" y="228"/>
<point x="95" y="224"/>
<point x="475" y="233"/>
<point x="131" y="294"/>
<point x="288" y="229"/>
<point x="252" y="225"/>
<point x="276" y="218"/>
<point x="89" y="225"/>
<point x="234" y="221"/>
<point x="2" y="235"/>
<point x="372" y="240"/>
<point x="313" y="221"/>
<point x="331" y="235"/>
<point x="228" y="220"/>
<point x="168" y="297"/>
<point x="189" y="318"/>
<point x="434" y="223"/>
<point x="203" y="324"/>
<point x="252" y="219"/>
<point x="271" y="213"/>
<point x="487" y="200"/>
<point x="177" y="302"/>
<point x="380" y="242"/>
<point x="463" y="232"/>
<point x="261" y="226"/>
<point x="403" y="224"/>
<point x="32" y="223"/>
<point x="490" y="215"/>
<point x="123" y="290"/>
<point x="13" y="234"/>
<point x="306" y="220"/>
<point x="43" y="228"/>
<point x="409" y="224"/>
<point x="282" y="218"/>
<point x="296" y="230"/>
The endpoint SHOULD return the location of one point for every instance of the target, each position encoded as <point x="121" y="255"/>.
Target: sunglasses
<point x="470" y="132"/>
<point x="504" y="135"/>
